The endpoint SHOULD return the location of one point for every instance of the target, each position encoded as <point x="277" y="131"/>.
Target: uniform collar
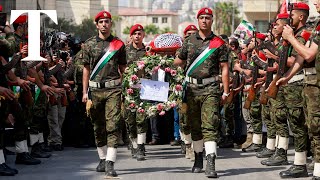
<point x="299" y="30"/>
<point x="209" y="37"/>
<point x="131" y="47"/>
<point x="109" y="39"/>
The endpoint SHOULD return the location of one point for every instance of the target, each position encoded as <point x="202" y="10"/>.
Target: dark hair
<point x="15" y="26"/>
<point x="234" y="42"/>
<point x="304" y="12"/>
<point x="224" y="37"/>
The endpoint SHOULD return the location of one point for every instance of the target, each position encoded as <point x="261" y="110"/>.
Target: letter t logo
<point x="33" y="30"/>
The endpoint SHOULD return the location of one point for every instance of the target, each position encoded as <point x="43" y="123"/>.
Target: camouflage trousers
<point x="289" y="108"/>
<point x="228" y="118"/>
<point x="39" y="114"/>
<point x="105" y="116"/>
<point x="267" y="119"/>
<point x="184" y="123"/>
<point x="136" y="123"/>
<point x="255" y="113"/>
<point x="311" y="96"/>
<point x="279" y="113"/>
<point x="203" y="112"/>
<point x="22" y="121"/>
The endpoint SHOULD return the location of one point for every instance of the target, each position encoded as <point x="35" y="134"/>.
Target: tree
<point x="166" y="30"/>
<point x="86" y="29"/>
<point x="223" y="17"/>
<point x="151" y="29"/>
<point x="64" y="25"/>
<point x="126" y="30"/>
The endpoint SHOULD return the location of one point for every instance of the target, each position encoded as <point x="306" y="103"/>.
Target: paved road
<point x="164" y="163"/>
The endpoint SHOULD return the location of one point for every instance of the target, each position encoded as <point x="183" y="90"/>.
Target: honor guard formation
<point x="215" y="82"/>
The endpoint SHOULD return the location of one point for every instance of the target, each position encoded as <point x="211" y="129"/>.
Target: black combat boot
<point x="277" y="159"/>
<point x="183" y="147"/>
<point x="211" y="166"/>
<point x="5" y="170"/>
<point x="13" y="169"/>
<point x="265" y="153"/>
<point x="25" y="158"/>
<point x="101" y="166"/>
<point x="198" y="162"/>
<point x="37" y="152"/>
<point x="140" y="152"/>
<point x="45" y="147"/>
<point x="110" y="172"/>
<point x="227" y="142"/>
<point x="253" y="148"/>
<point x="295" y="171"/>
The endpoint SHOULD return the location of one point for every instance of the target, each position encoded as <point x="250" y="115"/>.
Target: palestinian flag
<point x="214" y="44"/>
<point x="113" y="48"/>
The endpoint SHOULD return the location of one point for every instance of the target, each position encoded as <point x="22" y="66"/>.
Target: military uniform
<point x="311" y="95"/>
<point x="136" y="122"/>
<point x="105" y="99"/>
<point x="203" y="100"/>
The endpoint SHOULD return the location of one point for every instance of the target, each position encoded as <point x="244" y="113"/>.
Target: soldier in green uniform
<point x="24" y="118"/>
<point x="203" y="91"/>
<point x="104" y="60"/>
<point x="306" y="55"/>
<point x="277" y="107"/>
<point x="136" y="122"/>
<point x="6" y="95"/>
<point x="293" y="106"/>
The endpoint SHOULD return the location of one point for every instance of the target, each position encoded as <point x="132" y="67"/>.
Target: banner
<point x="244" y="30"/>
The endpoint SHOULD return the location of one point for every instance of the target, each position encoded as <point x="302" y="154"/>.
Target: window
<point x="154" y="20"/>
<point x="164" y="20"/>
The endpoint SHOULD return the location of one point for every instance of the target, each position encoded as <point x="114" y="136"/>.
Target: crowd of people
<point x="272" y="78"/>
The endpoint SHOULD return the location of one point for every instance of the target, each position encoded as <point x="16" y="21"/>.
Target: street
<point x="163" y="162"/>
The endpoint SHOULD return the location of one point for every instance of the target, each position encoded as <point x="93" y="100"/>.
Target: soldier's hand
<point x="7" y="93"/>
<point x="59" y="90"/>
<point x="23" y="84"/>
<point x="47" y="89"/>
<point x="287" y="32"/>
<point x="223" y="99"/>
<point x="67" y="87"/>
<point x="237" y="67"/>
<point x="269" y="54"/>
<point x="10" y="119"/>
<point x="84" y="97"/>
<point x="24" y="49"/>
<point x="282" y="81"/>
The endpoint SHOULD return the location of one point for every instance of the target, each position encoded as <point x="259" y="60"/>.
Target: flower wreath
<point x="147" y="66"/>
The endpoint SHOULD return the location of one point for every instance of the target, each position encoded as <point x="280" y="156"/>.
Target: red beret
<point x="136" y="27"/>
<point x="21" y="19"/>
<point x="102" y="15"/>
<point x="261" y="36"/>
<point x="204" y="11"/>
<point x="300" y="6"/>
<point x="191" y="27"/>
<point x="283" y="16"/>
